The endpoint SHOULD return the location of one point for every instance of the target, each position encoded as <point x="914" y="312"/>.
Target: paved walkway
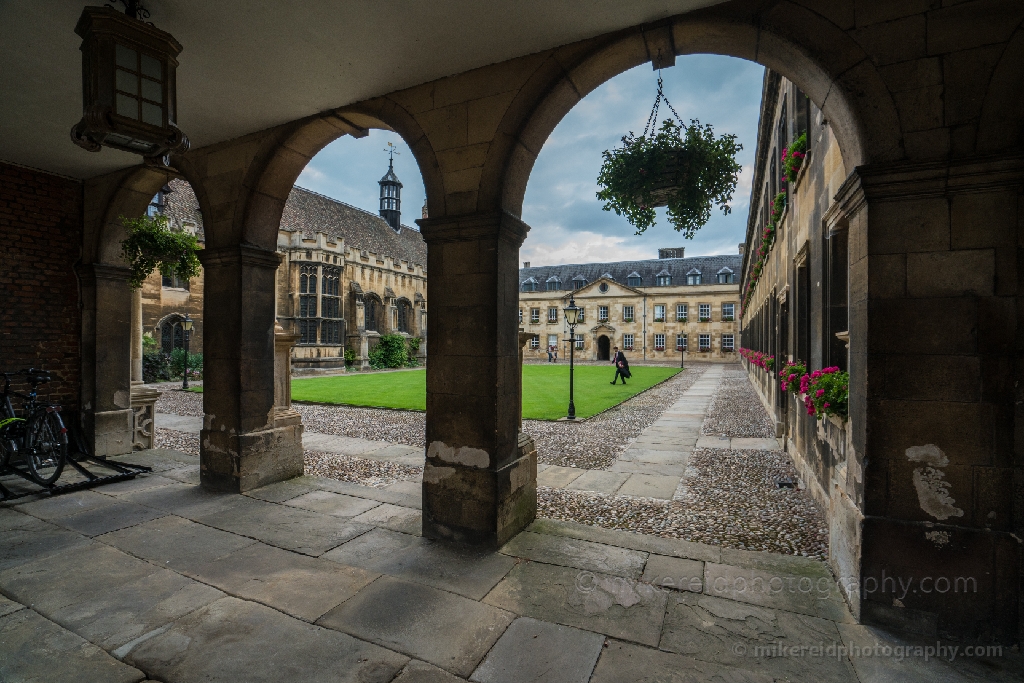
<point x="316" y="579"/>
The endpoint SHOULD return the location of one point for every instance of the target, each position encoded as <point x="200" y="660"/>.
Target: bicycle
<point x="39" y="438"/>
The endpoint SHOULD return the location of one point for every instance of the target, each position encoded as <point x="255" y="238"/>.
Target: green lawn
<point x="545" y="389"/>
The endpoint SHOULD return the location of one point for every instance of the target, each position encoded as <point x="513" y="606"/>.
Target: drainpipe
<point x="645" y="325"/>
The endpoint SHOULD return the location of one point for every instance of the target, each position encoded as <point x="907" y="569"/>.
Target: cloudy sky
<point x="567" y="223"/>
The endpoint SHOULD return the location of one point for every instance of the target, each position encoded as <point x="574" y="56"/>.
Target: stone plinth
<point x="144" y="415"/>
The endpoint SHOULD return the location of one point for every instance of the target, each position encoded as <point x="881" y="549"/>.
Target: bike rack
<point x="124" y="471"/>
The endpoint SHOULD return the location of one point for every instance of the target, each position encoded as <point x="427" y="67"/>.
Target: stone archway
<point x="604" y="348"/>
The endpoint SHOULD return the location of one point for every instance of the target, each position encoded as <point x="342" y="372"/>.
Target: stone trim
<point x="474" y="227"/>
<point x="104" y="271"/>
<point x="938" y="178"/>
<point x="244" y="254"/>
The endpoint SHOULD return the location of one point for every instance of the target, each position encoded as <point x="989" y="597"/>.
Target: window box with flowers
<point x="627" y="348"/>
<point x="793" y="157"/>
<point x="659" y="348"/>
<point x="659" y="320"/>
<point x="680" y="318"/>
<point x="728" y="319"/>
<point x="826" y="393"/>
<point x="705" y="320"/>
<point x="627" y="320"/>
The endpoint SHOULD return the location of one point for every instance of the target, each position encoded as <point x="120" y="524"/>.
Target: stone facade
<point x="338" y="264"/>
<point x="652" y="309"/>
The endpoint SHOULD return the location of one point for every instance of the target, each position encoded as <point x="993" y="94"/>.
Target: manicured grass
<point x="545" y="389"/>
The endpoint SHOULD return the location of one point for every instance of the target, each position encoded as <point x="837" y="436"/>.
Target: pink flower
<point x="819" y="393"/>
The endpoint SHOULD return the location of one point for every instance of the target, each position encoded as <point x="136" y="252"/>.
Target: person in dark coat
<point x="621" y="366"/>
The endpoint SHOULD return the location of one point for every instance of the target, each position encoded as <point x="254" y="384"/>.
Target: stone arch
<point x="1002" y="112"/>
<point x="813" y="52"/>
<point x="283" y="155"/>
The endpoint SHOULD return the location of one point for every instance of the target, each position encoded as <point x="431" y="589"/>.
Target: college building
<point x="653" y="309"/>
<point x="346" y="277"/>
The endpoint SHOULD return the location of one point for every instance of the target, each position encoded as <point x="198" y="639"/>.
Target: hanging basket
<point x="682" y="167"/>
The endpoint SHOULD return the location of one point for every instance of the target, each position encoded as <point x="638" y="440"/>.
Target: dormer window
<point x="726" y="277"/>
<point x="634" y="279"/>
<point x="553" y="283"/>
<point x="530" y="285"/>
<point x="578" y="282"/>
<point x="664" y="278"/>
<point x="693" y="277"/>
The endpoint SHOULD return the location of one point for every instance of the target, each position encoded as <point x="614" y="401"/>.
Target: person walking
<point x="550" y="353"/>
<point x="621" y="366"/>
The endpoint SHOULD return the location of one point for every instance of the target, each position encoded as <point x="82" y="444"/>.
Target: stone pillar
<point x="143" y="398"/>
<point x="480" y="478"/>
<point x="108" y="418"/>
<point x="284" y="414"/>
<point x="241" y="446"/>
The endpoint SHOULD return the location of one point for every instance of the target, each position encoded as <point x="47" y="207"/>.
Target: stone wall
<point x="40" y="320"/>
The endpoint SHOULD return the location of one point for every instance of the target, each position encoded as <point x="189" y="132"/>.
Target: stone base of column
<point x="479" y="505"/>
<point x="113" y="432"/>
<point x="144" y="409"/>
<point x="242" y="462"/>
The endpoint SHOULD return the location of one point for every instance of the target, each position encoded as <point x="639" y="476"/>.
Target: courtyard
<point x="649" y="557"/>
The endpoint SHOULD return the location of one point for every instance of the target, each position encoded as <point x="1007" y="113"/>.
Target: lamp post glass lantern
<point x="186" y="324"/>
<point x="572" y="318"/>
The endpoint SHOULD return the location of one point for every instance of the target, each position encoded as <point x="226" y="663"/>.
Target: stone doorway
<point x="603" y="348"/>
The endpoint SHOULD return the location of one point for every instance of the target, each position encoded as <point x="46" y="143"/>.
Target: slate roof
<point x="308" y="213"/>
<point x="648" y="270"/>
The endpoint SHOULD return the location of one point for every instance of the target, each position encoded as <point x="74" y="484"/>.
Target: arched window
<point x="330" y="306"/>
<point x="404" y="316"/>
<point x="172" y="334"/>
<point x="372" y="309"/>
<point x="308" y="323"/>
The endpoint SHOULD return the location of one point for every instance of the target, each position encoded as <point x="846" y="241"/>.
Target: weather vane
<point x="392" y="150"/>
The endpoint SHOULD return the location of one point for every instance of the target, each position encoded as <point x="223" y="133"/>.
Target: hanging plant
<point x="151" y="244"/>
<point x="683" y="167"/>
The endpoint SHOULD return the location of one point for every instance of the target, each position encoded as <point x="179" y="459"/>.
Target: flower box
<point x="681" y="319"/>
<point x="626" y="320"/>
<point x="659" y="320"/>
<point x="705" y="320"/>
<point x="627" y="348"/>
<point x="659" y="348"/>
<point x="705" y="349"/>
<point x="728" y="319"/>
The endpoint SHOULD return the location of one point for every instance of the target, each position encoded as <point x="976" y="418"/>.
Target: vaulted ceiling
<point x="250" y="65"/>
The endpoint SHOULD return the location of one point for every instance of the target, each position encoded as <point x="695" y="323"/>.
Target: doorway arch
<point x="604" y="348"/>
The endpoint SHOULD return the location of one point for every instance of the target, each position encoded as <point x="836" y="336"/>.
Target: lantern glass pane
<point x="127" y="107"/>
<point x="152" y="90"/>
<point x="152" y="67"/>
<point x="152" y="114"/>
<point x="127" y="82"/>
<point x="127" y="58"/>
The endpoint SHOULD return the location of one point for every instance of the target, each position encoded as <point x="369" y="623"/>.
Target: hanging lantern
<point x="128" y="86"/>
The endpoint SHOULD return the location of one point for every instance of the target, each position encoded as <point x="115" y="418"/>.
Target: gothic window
<point x="404" y="316"/>
<point x="330" y="306"/>
<point x="372" y="309"/>
<point x="172" y="334"/>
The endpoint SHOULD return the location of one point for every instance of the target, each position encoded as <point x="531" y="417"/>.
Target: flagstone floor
<point x="319" y="580"/>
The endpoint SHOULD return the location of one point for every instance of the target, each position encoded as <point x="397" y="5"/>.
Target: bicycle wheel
<point x="49" y="448"/>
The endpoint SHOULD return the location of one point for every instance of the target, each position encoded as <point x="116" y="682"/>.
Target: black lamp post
<point x="572" y="318"/>
<point x="187" y="326"/>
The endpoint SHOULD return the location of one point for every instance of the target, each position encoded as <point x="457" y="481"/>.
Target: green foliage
<point x="390" y="352"/>
<point x="789" y="377"/>
<point x="350" y="357"/>
<point x="826" y="392"/>
<point x="156" y="367"/>
<point x="414" y="348"/>
<point x="151" y="244"/>
<point x="148" y="343"/>
<point x="195" y="364"/>
<point x="704" y="167"/>
<point x="793" y="157"/>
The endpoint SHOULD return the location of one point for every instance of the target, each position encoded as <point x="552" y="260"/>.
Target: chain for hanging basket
<point x="683" y="167"/>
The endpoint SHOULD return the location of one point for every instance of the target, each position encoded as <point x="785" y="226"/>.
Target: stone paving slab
<point x="532" y="651"/>
<point x="303" y="587"/>
<point x="178" y="423"/>
<point x="607" y="604"/>
<point x="334" y="504"/>
<point x="650" y="486"/>
<point x="465" y="570"/>
<point x="344" y="445"/>
<point x="657" y="457"/>
<point x="11" y="519"/>
<point x="558" y="477"/>
<point x="674" y="573"/>
<point x="9" y="606"/>
<point x="632" y="467"/>
<point x="409" y="488"/>
<point x="403" y="455"/>
<point x="598" y="481"/>
<point x="52" y="507"/>
<point x="738" y="443"/>
<point x="421" y="672"/>
<point x="160" y="459"/>
<point x="184" y="475"/>
<point x="623" y="661"/>
<point x="34" y="649"/>
<point x="672" y="547"/>
<point x="813" y="595"/>
<point x="370" y="492"/>
<point x="393" y="517"/>
<point x="124" y="597"/>
<point x="36" y="539"/>
<point x="176" y="543"/>
<point x="108" y="518"/>
<point x="141" y="482"/>
<point x="282" y="491"/>
<point x="727" y="632"/>
<point x="442" y="628"/>
<point x="185" y="500"/>
<point x="286" y="527"/>
<point x="235" y="640"/>
<point x="711" y="441"/>
<point x="571" y="552"/>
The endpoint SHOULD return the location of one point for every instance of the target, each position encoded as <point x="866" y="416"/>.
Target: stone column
<point x="241" y="446"/>
<point x="143" y="398"/>
<point x="108" y="419"/>
<point x="479" y="479"/>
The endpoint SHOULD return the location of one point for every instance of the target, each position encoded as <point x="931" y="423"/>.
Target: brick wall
<point x="40" y="240"/>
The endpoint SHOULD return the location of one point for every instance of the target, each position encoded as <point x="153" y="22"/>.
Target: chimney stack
<point x="672" y="252"/>
<point x="526" y="264"/>
<point x="743" y="248"/>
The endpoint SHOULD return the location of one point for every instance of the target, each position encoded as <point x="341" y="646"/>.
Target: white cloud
<point x="581" y="246"/>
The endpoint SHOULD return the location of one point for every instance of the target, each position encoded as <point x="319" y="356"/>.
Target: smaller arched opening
<point x="170" y="333"/>
<point x="373" y="310"/>
<point x="603" y="347"/>
<point x="406" y="322"/>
